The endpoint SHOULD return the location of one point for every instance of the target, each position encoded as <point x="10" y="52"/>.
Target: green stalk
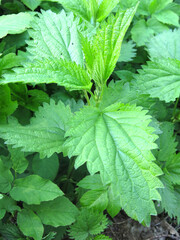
<point x="87" y="97"/>
<point x="175" y="107"/>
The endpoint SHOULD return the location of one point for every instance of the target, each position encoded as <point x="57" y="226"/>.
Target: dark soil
<point x="162" y="228"/>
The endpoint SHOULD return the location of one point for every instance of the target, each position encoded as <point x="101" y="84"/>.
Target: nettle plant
<point x="109" y="141"/>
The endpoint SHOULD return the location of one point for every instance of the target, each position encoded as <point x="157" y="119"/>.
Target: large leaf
<point x="14" y="23"/>
<point x="160" y="78"/>
<point x="117" y="142"/>
<point x="34" y="189"/>
<point x="45" y="134"/>
<point x="165" y="45"/>
<point x="55" y="36"/>
<point x="59" y="212"/>
<point x="62" y="72"/>
<point x="103" y="52"/>
<point x="30" y="224"/>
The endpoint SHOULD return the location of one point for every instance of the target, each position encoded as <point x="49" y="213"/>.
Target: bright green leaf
<point x="160" y="78"/>
<point x="34" y="189"/>
<point x="103" y="52"/>
<point x="165" y="45"/>
<point x="96" y="199"/>
<point x="117" y="142"/>
<point x="55" y="36"/>
<point x="45" y="133"/>
<point x="30" y="224"/>
<point x="14" y="23"/>
<point x="105" y="8"/>
<point x="61" y="72"/>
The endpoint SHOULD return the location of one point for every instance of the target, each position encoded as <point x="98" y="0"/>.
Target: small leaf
<point x="59" y="212"/>
<point x="96" y="199"/>
<point x="32" y="4"/>
<point x="19" y="162"/>
<point x="34" y="189"/>
<point x="88" y="223"/>
<point x="30" y="224"/>
<point x="6" y="178"/>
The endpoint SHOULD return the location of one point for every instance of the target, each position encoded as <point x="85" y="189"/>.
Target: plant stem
<point x="175" y="107"/>
<point x="87" y="97"/>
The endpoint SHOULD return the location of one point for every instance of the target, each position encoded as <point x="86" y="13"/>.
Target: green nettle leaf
<point x="46" y="167"/>
<point x="116" y="142"/>
<point x="30" y="224"/>
<point x="59" y="212"/>
<point x="105" y="8"/>
<point x="128" y="52"/>
<point x="103" y="52"/>
<point x="160" y="78"/>
<point x="158" y="5"/>
<point x="88" y="223"/>
<point x="34" y="189"/>
<point x="19" y="162"/>
<point x="166" y="148"/>
<point x="172" y="169"/>
<point x="170" y="199"/>
<point x="6" y="178"/>
<point x="80" y="7"/>
<point x="165" y="45"/>
<point x="62" y="72"/>
<point x="14" y="23"/>
<point x="45" y="133"/>
<point x="32" y="4"/>
<point x="55" y="36"/>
